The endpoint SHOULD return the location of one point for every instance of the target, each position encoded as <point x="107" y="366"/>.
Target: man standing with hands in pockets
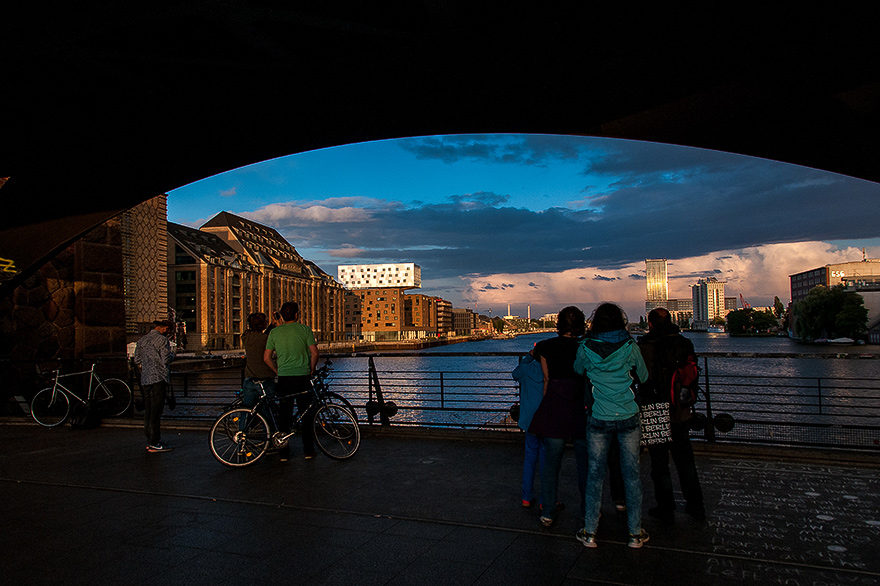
<point x="294" y="346"/>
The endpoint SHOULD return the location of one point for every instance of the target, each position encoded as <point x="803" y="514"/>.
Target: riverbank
<point x="192" y="362"/>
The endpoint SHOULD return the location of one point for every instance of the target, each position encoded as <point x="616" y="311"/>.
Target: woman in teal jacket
<point x="610" y="358"/>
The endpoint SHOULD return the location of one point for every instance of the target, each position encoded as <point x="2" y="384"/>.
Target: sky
<point x="538" y="222"/>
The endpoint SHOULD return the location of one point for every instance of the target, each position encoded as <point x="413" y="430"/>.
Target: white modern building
<point x="709" y="302"/>
<point x="405" y="275"/>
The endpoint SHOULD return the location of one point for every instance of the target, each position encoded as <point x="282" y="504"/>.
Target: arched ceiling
<point x="108" y="104"/>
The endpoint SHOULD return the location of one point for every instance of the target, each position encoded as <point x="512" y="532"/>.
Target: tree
<point x="778" y="308"/>
<point x="830" y="313"/>
<point x="749" y="321"/>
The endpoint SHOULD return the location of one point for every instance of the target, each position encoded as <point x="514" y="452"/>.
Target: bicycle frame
<point x="93" y="376"/>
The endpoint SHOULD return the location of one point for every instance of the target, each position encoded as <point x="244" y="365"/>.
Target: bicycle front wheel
<point x="239" y="437"/>
<point x="336" y="431"/>
<point x="112" y="397"/>
<point x="50" y="407"/>
<point x="337" y="399"/>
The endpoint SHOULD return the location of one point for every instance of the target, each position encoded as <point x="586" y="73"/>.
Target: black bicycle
<point x="242" y="435"/>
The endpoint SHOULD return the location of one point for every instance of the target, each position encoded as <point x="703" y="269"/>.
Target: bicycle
<point x="242" y="435"/>
<point x="51" y="406"/>
<point x="319" y="382"/>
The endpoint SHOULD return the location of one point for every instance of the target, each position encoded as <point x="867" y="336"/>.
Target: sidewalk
<point x="93" y="507"/>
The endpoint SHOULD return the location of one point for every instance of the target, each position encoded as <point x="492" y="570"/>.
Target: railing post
<point x="710" y="425"/>
<point x="374" y="380"/>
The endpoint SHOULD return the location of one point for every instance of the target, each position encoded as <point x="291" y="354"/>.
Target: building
<point x="390" y="314"/>
<point x="212" y="289"/>
<point x="231" y="267"/>
<point x="864" y="271"/>
<point x="681" y="311"/>
<point x="464" y="322"/>
<point x="657" y="294"/>
<point x="406" y="275"/>
<point x="657" y="283"/>
<point x="708" y="302"/>
<point x="374" y="315"/>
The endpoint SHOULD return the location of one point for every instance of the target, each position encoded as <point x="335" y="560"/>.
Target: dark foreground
<point x="92" y="507"/>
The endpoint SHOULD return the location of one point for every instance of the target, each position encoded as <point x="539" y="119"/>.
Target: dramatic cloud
<point x="758" y="273"/>
<point x="591" y="211"/>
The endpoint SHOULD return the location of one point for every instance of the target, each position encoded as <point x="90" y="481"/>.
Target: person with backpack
<point x="672" y="368"/>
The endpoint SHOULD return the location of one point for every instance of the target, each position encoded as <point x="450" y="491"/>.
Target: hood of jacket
<point x="607" y="343"/>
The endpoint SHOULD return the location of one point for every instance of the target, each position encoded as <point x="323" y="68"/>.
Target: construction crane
<point x="743" y="301"/>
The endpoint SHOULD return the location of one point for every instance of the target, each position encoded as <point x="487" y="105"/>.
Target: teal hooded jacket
<point x="609" y="360"/>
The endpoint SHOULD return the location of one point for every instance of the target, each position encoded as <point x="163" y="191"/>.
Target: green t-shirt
<point x="291" y="343"/>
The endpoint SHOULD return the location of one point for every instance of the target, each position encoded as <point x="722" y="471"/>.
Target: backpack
<point x="684" y="385"/>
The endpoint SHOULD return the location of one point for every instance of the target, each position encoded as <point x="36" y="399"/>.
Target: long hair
<point x="608" y="317"/>
<point x="571" y="321"/>
<point x="257" y="322"/>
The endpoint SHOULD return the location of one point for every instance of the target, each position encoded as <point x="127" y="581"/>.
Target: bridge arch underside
<point x="109" y="107"/>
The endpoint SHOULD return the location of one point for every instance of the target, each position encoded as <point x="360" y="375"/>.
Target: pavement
<point x="434" y="508"/>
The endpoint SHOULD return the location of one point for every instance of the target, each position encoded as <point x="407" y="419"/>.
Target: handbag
<point x="655" y="423"/>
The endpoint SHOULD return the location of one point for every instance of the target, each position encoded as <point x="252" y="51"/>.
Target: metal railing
<point x="444" y="389"/>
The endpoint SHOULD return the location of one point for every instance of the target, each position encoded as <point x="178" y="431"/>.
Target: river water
<point x="441" y="387"/>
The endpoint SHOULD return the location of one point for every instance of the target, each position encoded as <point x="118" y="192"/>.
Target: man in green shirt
<point x="297" y="355"/>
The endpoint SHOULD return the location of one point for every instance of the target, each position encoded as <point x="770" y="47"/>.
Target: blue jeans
<point x="599" y="436"/>
<point x="554" y="449"/>
<point x="533" y="462"/>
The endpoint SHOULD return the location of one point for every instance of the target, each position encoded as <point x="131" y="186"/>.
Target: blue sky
<point x="545" y="221"/>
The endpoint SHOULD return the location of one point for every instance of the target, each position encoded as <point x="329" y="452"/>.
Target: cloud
<point x="711" y="213"/>
<point x="530" y="150"/>
<point x="758" y="273"/>
<point x="285" y="215"/>
<point x="228" y="192"/>
<point x="347" y="251"/>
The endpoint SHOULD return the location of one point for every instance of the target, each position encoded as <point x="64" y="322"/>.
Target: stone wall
<point x="68" y="314"/>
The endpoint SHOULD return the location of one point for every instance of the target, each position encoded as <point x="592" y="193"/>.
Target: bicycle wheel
<point x="337" y="399"/>
<point x="239" y="438"/>
<point x="112" y="397"/>
<point x="336" y="431"/>
<point x="50" y="407"/>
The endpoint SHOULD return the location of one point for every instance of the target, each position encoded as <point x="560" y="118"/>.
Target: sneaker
<point x="158" y="448"/>
<point x="283" y="458"/>
<point x="546" y="521"/>
<point x="311" y="456"/>
<point x="637" y="541"/>
<point x="526" y="503"/>
<point x="620" y="506"/>
<point x="588" y="539"/>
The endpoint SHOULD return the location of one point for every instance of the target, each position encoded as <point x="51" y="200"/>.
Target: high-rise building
<point x="708" y="299"/>
<point x="657" y="281"/>
<point x="657" y="284"/>
<point x="406" y="275"/>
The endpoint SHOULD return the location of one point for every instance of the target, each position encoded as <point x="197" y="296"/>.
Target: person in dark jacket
<point x="561" y="415"/>
<point x="664" y="349"/>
